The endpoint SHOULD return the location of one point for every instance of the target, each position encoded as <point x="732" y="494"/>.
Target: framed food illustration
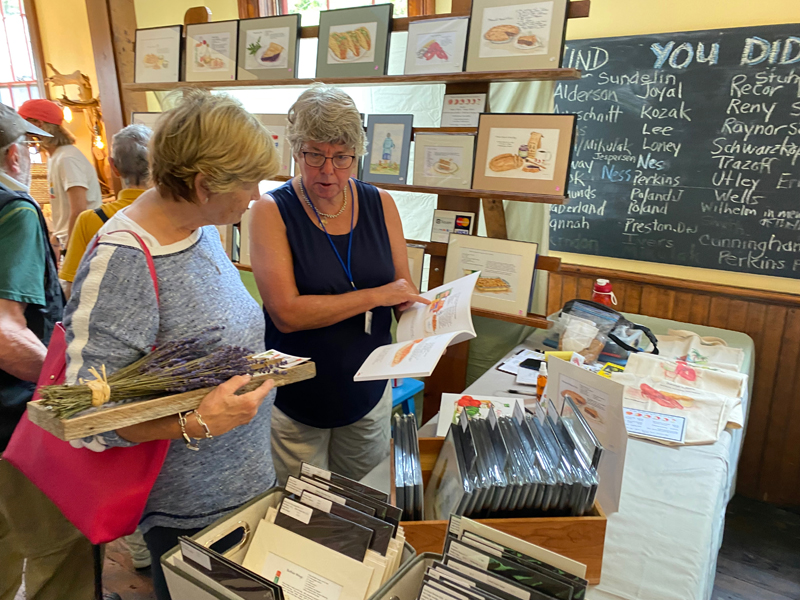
<point x="210" y="51"/>
<point x="506" y="271"/>
<point x="515" y="35"/>
<point x="354" y="42"/>
<point x="268" y="48"/>
<point x="277" y="127"/>
<point x="436" y="46"/>
<point x="158" y="55"/>
<point x="148" y="119"/>
<point x="444" y="159"/>
<point x="524" y="153"/>
<point x="388" y="145"/>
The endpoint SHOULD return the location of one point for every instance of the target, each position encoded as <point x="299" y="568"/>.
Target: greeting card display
<point x="436" y="46"/>
<point x="444" y="159"/>
<point x="210" y="51"/>
<point x="524" y="153"/>
<point x="268" y="47"/>
<point x="388" y="144"/>
<point x="354" y="42"/>
<point x="277" y="127"/>
<point x="158" y="55"/>
<point x="516" y="34"/>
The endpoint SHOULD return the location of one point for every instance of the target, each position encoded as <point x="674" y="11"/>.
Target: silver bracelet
<point x="202" y="424"/>
<point x="190" y="443"/>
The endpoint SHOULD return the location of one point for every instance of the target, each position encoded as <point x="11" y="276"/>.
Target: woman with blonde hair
<point x="207" y="156"/>
<point x="330" y="261"/>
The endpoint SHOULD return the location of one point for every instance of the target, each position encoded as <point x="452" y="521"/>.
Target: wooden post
<point x="249" y="9"/>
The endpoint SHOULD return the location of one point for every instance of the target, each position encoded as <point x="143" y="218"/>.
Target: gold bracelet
<point x="202" y="424"/>
<point x="190" y="444"/>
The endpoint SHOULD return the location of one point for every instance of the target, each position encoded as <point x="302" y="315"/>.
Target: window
<point x="17" y="68"/>
<point x="310" y="9"/>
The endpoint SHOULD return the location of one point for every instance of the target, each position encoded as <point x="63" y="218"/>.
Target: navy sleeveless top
<point x="332" y="398"/>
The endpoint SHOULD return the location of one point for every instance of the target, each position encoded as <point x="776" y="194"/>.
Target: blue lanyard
<point x="347" y="269"/>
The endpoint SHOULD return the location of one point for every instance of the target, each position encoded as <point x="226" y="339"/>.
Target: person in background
<point x="128" y="161"/>
<point x="56" y="557"/>
<point x="71" y="177"/>
<point x="330" y="261"/>
<point x="207" y="156"/>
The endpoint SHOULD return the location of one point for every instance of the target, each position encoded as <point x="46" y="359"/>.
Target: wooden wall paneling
<point x="784" y="396"/>
<point x="682" y="309"/>
<point x="585" y="286"/>
<point x="737" y="315"/>
<point x="633" y="298"/>
<point x="718" y="313"/>
<point x="123" y="35"/>
<point x="701" y="305"/>
<point x="569" y="289"/>
<point x="249" y="9"/>
<point x="649" y="300"/>
<point x="789" y="476"/>
<point x="554" y="293"/>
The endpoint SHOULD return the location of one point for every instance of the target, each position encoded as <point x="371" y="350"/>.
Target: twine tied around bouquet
<point x="101" y="391"/>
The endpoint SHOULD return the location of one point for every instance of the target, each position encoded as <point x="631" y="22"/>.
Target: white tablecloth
<point x="663" y="542"/>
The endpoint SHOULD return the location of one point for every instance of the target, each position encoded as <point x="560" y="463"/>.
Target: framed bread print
<point x="158" y="55"/>
<point x="277" y="127"/>
<point x="444" y="159"/>
<point x="210" y="51"/>
<point x="388" y="145"/>
<point x="506" y="268"/>
<point x="524" y="153"/>
<point x="516" y="35"/>
<point x="268" y="48"/>
<point x="354" y="42"/>
<point x="436" y="46"/>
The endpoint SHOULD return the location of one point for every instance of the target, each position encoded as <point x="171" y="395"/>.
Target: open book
<point x="424" y="332"/>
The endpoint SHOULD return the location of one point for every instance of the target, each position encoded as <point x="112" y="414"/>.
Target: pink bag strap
<point x="148" y="257"/>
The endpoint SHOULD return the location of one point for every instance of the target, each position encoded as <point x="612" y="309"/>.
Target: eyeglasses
<point x="340" y="161"/>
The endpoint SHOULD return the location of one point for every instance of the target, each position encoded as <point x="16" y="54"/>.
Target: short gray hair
<point x="326" y="115"/>
<point x="129" y="152"/>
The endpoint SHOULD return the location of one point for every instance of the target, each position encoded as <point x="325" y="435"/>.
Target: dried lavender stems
<point x="174" y="367"/>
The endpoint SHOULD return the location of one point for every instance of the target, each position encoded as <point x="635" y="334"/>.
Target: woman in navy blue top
<point x="329" y="258"/>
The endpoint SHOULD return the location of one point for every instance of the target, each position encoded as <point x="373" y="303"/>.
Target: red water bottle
<point x="602" y="293"/>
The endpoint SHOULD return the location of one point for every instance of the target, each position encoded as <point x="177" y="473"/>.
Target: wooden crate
<point x="131" y="413"/>
<point x="578" y="538"/>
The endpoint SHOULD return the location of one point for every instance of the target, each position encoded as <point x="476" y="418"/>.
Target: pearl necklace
<point x="325" y="216"/>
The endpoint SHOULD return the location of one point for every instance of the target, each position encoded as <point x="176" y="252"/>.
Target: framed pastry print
<point x="354" y="42"/>
<point x="388" y="145"/>
<point x="444" y="159"/>
<point x="506" y="268"/>
<point x="148" y="119"/>
<point x="524" y="153"/>
<point x="515" y="35"/>
<point x="210" y="51"/>
<point x="436" y="46"/>
<point x="277" y="127"/>
<point x="268" y="47"/>
<point x="158" y="55"/>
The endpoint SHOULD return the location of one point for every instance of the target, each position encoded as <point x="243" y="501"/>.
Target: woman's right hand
<point x="397" y="293"/>
<point x="223" y="410"/>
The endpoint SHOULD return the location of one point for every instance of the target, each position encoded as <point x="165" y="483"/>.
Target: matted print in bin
<point x="210" y="51"/>
<point x="268" y="48"/>
<point x="516" y="35"/>
<point x="354" y="42"/>
<point x="528" y="153"/>
<point x="158" y="55"/>
<point x="388" y="145"/>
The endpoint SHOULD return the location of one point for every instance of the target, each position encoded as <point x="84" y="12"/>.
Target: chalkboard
<point x="687" y="151"/>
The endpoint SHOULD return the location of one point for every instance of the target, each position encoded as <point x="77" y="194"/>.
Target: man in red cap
<point x="72" y="179"/>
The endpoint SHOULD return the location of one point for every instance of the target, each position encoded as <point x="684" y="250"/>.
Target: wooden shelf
<point x="531" y="320"/>
<point x="487" y="77"/>
<point x="485" y="194"/>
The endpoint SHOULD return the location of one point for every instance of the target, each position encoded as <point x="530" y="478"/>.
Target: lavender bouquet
<point x="174" y="367"/>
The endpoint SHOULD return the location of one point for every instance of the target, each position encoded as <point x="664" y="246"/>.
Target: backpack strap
<point x="101" y="213"/>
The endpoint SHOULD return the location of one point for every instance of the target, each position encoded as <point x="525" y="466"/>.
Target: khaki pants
<point x="352" y="451"/>
<point x="59" y="558"/>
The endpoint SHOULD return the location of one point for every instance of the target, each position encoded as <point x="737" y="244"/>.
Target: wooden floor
<point x="759" y="560"/>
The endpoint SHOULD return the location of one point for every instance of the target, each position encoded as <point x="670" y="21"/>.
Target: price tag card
<point x="462" y="110"/>
<point x="669" y="428"/>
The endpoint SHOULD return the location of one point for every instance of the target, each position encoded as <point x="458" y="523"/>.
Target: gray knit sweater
<point x="113" y="319"/>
